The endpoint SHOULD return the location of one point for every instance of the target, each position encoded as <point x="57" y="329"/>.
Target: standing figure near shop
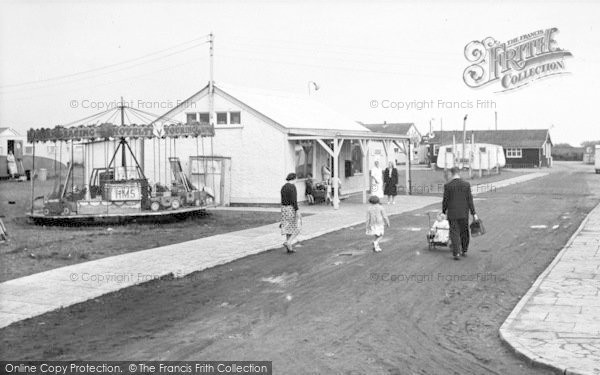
<point x="457" y="203"/>
<point x="376" y="221"/>
<point x="390" y="182"/>
<point x="12" y="164"/>
<point x="325" y="173"/>
<point x="308" y="189"/>
<point x="377" y="180"/>
<point x="290" y="217"/>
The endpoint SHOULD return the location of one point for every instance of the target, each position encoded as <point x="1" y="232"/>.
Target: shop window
<point x="28" y="150"/>
<point x="303" y="160"/>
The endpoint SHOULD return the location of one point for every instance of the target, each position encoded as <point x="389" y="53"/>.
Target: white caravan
<point x="478" y="155"/>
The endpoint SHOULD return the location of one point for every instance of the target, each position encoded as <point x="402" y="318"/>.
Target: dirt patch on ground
<point x="336" y="307"/>
<point x="34" y="248"/>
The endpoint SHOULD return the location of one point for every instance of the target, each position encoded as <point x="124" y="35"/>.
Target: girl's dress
<point x="375" y="220"/>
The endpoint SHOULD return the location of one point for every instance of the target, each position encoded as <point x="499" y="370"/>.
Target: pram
<point x="320" y="193"/>
<point x="431" y="235"/>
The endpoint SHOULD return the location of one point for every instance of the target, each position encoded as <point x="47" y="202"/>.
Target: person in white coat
<point x="377" y="180"/>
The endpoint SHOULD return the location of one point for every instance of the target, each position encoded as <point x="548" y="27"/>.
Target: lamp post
<point x="464" y="139"/>
<point x="431" y="145"/>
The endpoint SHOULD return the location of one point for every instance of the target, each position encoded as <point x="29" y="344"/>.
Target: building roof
<point x="293" y="111"/>
<point x="9" y="132"/>
<point x="519" y="138"/>
<point x="289" y="111"/>
<point x="401" y="128"/>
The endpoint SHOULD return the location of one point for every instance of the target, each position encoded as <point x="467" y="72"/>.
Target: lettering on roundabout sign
<point x="105" y="131"/>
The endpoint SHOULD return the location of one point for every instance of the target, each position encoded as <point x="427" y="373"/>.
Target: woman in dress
<point x="390" y="182"/>
<point x="377" y="181"/>
<point x="325" y="173"/>
<point x="12" y="164"/>
<point x="290" y="217"/>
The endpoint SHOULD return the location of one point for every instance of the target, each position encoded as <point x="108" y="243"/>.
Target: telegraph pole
<point x="211" y="116"/>
<point x="211" y="88"/>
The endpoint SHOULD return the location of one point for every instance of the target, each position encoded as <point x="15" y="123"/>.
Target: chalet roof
<point x="518" y="138"/>
<point x="401" y="128"/>
<point x="288" y="110"/>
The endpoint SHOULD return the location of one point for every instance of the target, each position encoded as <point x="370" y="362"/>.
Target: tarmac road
<point x="335" y="306"/>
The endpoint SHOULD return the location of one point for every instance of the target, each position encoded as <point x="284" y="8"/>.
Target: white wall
<point x="257" y="150"/>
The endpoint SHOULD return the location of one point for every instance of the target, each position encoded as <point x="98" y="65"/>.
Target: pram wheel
<point x="430" y="242"/>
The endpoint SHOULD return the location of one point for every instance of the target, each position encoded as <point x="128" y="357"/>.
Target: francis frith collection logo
<point x="514" y="63"/>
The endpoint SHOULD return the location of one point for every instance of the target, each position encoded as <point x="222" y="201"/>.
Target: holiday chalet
<point x="261" y="136"/>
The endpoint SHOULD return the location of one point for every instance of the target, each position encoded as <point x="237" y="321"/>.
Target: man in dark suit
<point x="457" y="203"/>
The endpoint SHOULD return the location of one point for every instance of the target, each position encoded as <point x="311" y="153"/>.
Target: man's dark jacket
<point x="458" y="200"/>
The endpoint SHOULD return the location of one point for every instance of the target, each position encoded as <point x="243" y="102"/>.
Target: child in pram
<point x="440" y="231"/>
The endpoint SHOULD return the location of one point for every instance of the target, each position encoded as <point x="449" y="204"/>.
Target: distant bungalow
<point x="523" y="148"/>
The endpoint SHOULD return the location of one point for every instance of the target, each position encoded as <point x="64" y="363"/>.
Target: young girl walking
<point x="376" y="221"/>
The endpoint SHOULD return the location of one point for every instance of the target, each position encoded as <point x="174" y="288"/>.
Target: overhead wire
<point x="88" y="118"/>
<point x="112" y="65"/>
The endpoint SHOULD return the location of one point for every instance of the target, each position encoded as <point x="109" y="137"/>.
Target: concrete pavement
<point x="557" y="322"/>
<point x="37" y="294"/>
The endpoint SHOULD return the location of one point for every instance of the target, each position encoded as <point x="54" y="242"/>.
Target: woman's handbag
<point x="477" y="228"/>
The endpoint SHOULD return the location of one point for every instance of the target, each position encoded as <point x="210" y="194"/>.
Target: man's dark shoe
<point x="464" y="253"/>
<point x="456" y="257"/>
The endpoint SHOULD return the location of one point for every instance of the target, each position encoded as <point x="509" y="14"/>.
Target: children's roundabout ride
<point x="116" y="188"/>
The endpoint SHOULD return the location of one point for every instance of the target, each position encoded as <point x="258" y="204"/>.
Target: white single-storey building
<point x="262" y="136"/>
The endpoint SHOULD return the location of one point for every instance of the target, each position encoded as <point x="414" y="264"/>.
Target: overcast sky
<point x="60" y="61"/>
